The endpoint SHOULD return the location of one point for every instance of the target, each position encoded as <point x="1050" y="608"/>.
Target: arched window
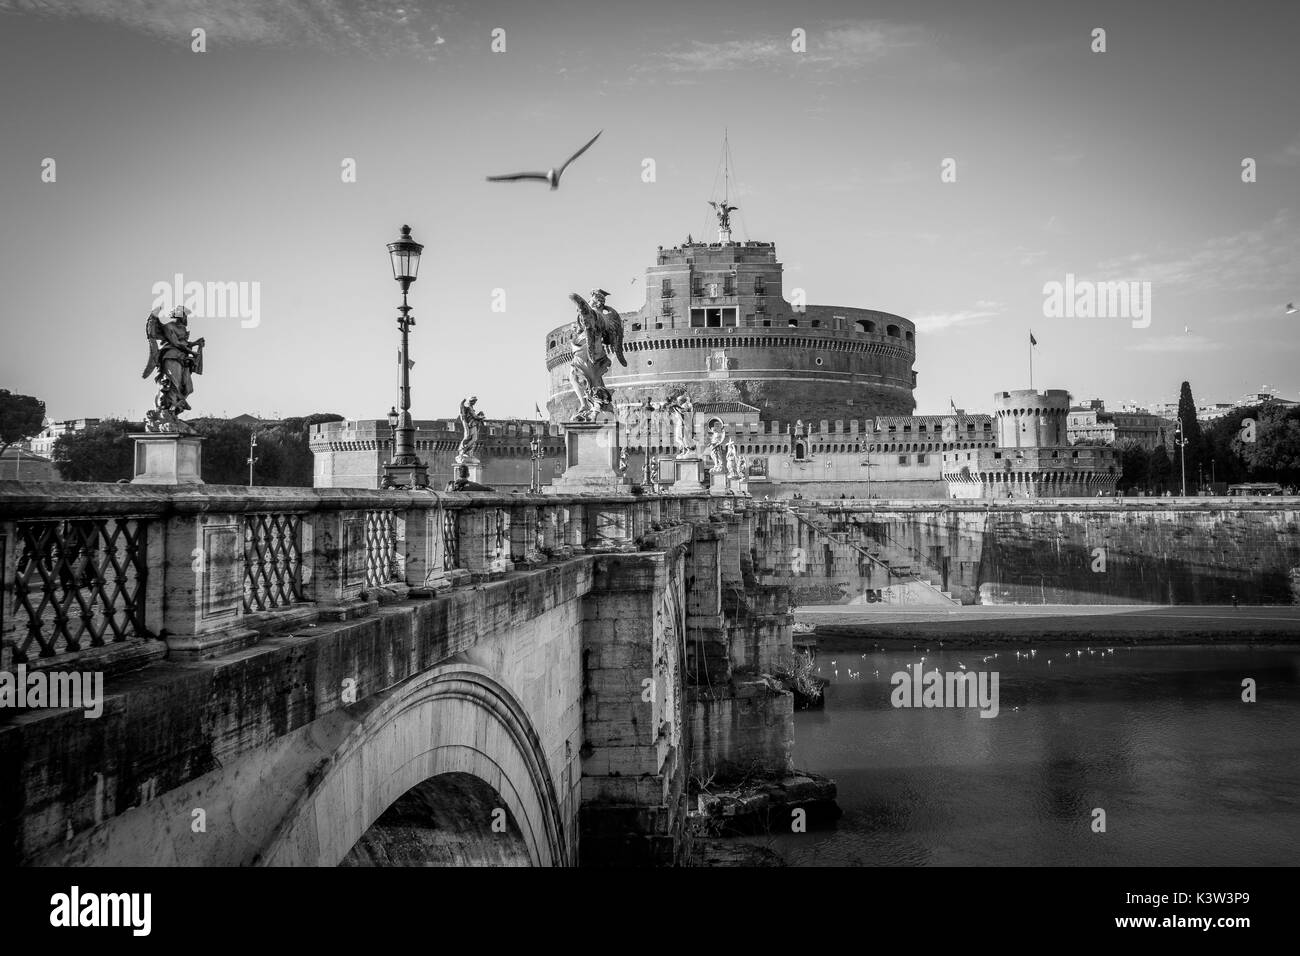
<point x="799" y="451"/>
<point x="864" y="325"/>
<point x="892" y="331"/>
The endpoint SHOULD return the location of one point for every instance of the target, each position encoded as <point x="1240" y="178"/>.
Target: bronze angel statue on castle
<point x="176" y="360"/>
<point x="599" y="332"/>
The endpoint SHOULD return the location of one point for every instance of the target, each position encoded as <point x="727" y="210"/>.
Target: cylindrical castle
<point x="717" y="322"/>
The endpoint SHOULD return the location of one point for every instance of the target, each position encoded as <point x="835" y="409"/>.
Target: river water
<point x="1157" y="737"/>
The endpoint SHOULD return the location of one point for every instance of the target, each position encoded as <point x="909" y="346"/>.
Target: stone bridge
<point x="344" y="677"/>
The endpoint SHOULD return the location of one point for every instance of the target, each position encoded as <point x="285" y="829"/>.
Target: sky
<point x="227" y="166"/>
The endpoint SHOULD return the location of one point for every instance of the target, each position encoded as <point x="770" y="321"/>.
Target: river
<point x="1157" y="737"/>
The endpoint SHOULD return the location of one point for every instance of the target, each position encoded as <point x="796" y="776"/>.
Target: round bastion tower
<point x="717" y="322"/>
<point x="1027" y="418"/>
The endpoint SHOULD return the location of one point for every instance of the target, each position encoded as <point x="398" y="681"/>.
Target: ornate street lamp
<point x="405" y="470"/>
<point x="535" y="476"/>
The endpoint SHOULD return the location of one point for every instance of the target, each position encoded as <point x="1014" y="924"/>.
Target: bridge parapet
<point x="111" y="571"/>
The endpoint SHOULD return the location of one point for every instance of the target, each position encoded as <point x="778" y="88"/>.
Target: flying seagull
<point x="1290" y="308"/>
<point x="552" y="175"/>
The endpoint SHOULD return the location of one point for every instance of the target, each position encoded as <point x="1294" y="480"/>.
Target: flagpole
<point x="1031" y="360"/>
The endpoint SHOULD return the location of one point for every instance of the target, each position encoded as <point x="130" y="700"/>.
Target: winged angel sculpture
<point x="599" y="332"/>
<point x="175" y="360"/>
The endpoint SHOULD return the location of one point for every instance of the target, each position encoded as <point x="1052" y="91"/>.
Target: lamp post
<point x="405" y="470"/>
<point x="1181" y="442"/>
<point x="535" y="475"/>
<point x="252" y="457"/>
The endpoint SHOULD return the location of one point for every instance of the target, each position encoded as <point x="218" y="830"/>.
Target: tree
<point x="1224" y="446"/>
<point x="1195" y="449"/>
<point x="1159" y="469"/>
<point x="21" y="418"/>
<point x="291" y="439"/>
<point x="101" y="452"/>
<point x="284" y="458"/>
<point x="1274" y="455"/>
<point x="1134" y="467"/>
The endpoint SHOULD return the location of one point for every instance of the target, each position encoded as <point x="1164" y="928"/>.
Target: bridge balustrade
<point x="89" y="568"/>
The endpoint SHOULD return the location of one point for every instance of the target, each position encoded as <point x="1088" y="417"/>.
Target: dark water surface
<point x="1158" y="737"/>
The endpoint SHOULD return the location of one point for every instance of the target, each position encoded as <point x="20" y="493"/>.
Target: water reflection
<point x="1159" y="738"/>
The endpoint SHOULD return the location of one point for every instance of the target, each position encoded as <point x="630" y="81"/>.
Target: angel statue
<point x="472" y="422"/>
<point x="717" y="443"/>
<point x="733" y="460"/>
<point x="599" y="331"/>
<point x="176" y="360"/>
<point x="682" y="413"/>
<point x="723" y="211"/>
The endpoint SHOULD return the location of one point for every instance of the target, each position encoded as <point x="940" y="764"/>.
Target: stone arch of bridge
<point x="419" y="741"/>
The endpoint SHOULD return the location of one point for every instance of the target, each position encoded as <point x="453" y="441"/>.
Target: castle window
<point x="666" y="288"/>
<point x="920" y="459"/>
<point x="659" y="325"/>
<point x="865" y="325"/>
<point x="760" y="286"/>
<point x="816" y="323"/>
<point x="892" y="331"/>
<point x="551" y="344"/>
<point x="839" y="323"/>
<point x="760" y="304"/>
<point x="697" y="285"/>
<point x="910" y="337"/>
<point x="798" y="451"/>
<point x="767" y="323"/>
<point x="636" y="326"/>
<point x="729" y="285"/>
<point x="902" y="459"/>
<point x="792" y="323"/>
<point x="819" y="360"/>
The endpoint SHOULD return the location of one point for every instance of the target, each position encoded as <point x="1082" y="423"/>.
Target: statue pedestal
<point x="475" y="468"/>
<point x="719" y="483"/>
<point x="165" y="458"/>
<point x="690" y="476"/>
<point x="591" y="461"/>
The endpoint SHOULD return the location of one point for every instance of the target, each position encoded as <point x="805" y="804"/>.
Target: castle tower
<point x="1027" y="418"/>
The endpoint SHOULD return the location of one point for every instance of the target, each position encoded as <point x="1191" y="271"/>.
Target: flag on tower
<point x="1032" y="340"/>
<point x="952" y="405"/>
<point x="539" y="409"/>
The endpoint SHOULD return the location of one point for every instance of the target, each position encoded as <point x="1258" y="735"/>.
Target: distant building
<point x="19" y="464"/>
<point x="43" y="444"/>
<point x="1090" y="422"/>
<point x="1266" y="396"/>
<point x="1204" y="413"/>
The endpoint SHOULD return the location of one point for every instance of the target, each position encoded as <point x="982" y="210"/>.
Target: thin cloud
<point x="844" y="45"/>
<point x="1266" y="257"/>
<point x="939" y="321"/>
<point x="375" y="27"/>
<point x="1188" y="342"/>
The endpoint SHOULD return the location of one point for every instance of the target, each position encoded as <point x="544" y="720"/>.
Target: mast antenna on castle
<point x="724" y="209"/>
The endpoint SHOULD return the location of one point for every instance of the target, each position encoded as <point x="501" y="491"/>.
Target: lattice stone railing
<point x="90" y="567"/>
<point x="79" y="583"/>
<point x="383" y="564"/>
<point x="272" y="561"/>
